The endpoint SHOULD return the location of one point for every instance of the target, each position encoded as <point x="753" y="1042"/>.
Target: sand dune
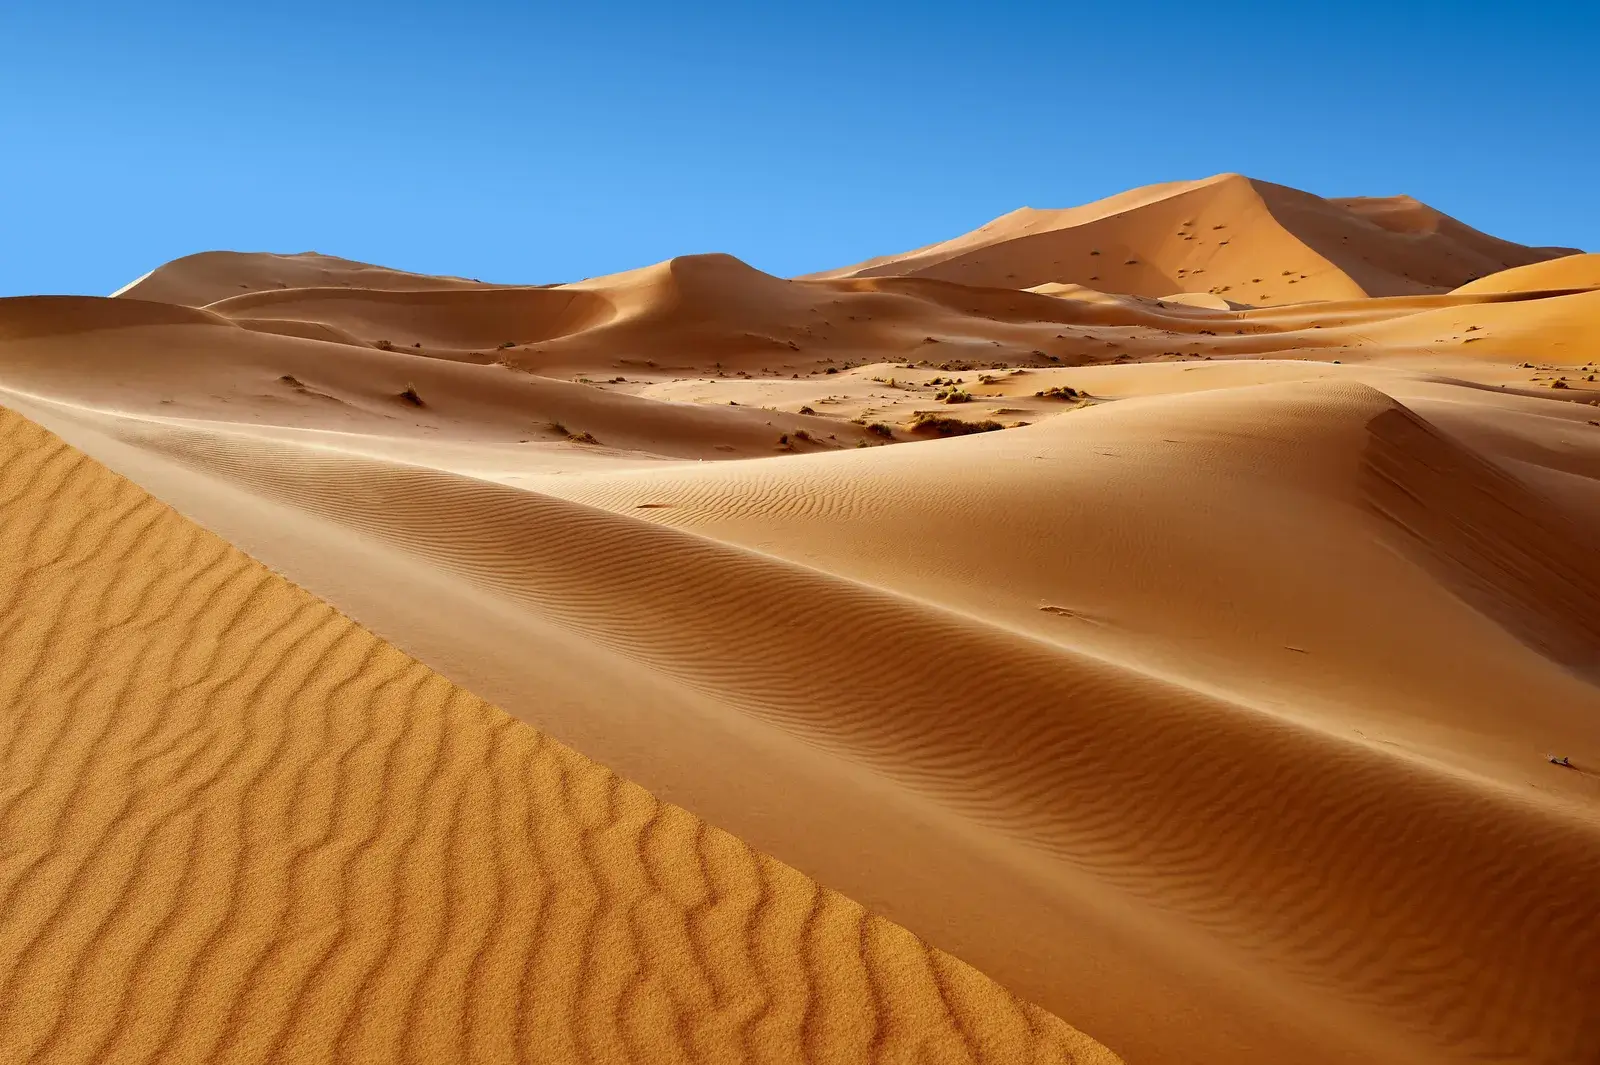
<point x="1568" y="273"/>
<point x="713" y="305"/>
<point x="1206" y="698"/>
<point x="196" y="280"/>
<point x="239" y="827"/>
<point x="1253" y="241"/>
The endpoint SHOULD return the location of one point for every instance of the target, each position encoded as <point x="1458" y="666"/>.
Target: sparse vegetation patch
<point x="928" y="421"/>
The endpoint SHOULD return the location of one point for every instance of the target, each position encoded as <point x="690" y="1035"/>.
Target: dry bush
<point x="927" y="421"/>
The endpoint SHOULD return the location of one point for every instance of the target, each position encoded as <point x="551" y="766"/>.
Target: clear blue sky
<point x="523" y="142"/>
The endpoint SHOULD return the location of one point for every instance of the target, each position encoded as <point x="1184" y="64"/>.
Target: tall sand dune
<point x="1253" y="241"/>
<point x="238" y="827"/>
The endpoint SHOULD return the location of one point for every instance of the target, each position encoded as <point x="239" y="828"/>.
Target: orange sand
<point x="1252" y="241"/>
<point x="1208" y="705"/>
<point x="238" y="827"/>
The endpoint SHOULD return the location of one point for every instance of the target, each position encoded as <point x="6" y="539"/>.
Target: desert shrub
<point x="927" y="421"/>
<point x="411" y="396"/>
<point x="881" y="430"/>
<point x="1058" y="392"/>
<point x="384" y="345"/>
<point x="576" y="438"/>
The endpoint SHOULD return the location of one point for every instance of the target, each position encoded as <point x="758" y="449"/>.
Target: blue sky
<point x="530" y="143"/>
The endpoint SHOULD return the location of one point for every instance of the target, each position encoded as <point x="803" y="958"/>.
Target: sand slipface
<point x="1183" y="641"/>
<point x="236" y="826"/>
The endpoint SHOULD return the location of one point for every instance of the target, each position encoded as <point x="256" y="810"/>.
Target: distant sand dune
<point x="238" y="827"/>
<point x="196" y="280"/>
<point x="455" y="318"/>
<point x="1258" y="242"/>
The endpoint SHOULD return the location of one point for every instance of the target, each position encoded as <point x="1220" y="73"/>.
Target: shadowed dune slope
<point x="234" y="826"/>
<point x="1252" y="241"/>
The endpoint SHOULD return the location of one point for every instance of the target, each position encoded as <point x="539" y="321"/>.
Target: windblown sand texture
<point x="1207" y="698"/>
<point x="238" y="827"/>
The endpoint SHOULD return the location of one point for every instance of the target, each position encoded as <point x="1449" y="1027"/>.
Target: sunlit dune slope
<point x="1562" y="329"/>
<point x="1251" y="241"/>
<point x="1569" y="272"/>
<point x="234" y="826"/>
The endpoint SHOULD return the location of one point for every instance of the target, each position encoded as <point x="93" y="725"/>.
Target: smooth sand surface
<point x="1208" y="702"/>
<point x="238" y="827"/>
<point x="1570" y="272"/>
